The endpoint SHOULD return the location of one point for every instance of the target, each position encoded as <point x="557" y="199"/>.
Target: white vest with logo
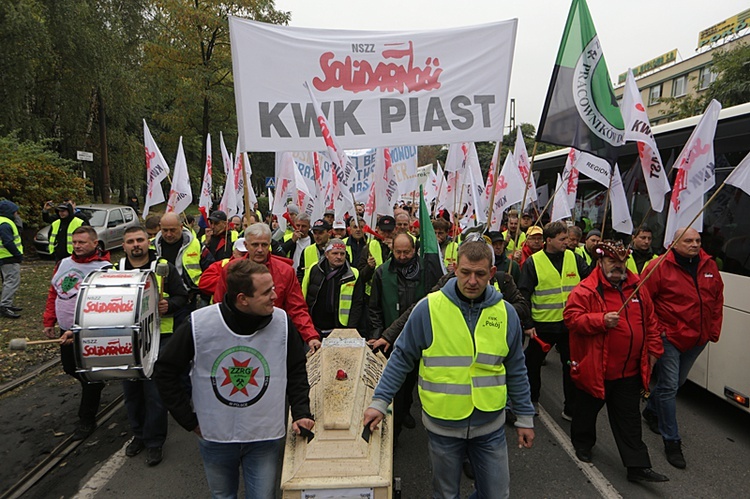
<point x="239" y="382"/>
<point x="67" y="282"/>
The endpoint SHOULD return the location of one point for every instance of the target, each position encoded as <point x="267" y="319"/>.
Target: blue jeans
<point x="489" y="459"/>
<point x="260" y="467"/>
<point x="670" y="373"/>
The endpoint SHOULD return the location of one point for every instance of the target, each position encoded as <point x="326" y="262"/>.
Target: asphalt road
<point x="716" y="442"/>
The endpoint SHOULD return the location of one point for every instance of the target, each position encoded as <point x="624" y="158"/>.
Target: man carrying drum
<point x="61" y="307"/>
<point x="146" y="412"/>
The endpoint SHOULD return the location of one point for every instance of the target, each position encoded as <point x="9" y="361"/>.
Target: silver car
<point x="109" y="220"/>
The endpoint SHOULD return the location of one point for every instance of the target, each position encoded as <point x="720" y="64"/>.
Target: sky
<point x="631" y="33"/>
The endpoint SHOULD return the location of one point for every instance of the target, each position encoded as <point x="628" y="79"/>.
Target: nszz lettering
<point x="363" y="48"/>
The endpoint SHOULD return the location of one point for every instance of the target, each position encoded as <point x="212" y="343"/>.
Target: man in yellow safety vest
<point x="467" y="342"/>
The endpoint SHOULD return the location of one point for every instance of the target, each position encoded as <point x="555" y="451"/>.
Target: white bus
<point x="724" y="367"/>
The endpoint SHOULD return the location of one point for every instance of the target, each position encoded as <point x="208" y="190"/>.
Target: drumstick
<point x="162" y="270"/>
<point x="21" y="343"/>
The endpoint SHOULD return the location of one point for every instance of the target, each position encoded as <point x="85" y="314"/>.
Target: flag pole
<point x="523" y="202"/>
<point x="495" y="173"/>
<point x="660" y="259"/>
<point x="437" y="198"/>
<point x="549" y="201"/>
<point x="606" y="200"/>
<point x="245" y="187"/>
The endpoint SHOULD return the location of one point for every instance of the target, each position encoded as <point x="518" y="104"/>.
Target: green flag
<point x="581" y="110"/>
<point x="429" y="252"/>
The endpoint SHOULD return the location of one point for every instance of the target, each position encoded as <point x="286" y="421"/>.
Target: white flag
<point x="475" y="185"/>
<point x="457" y="157"/>
<point x="522" y="161"/>
<point x="270" y="198"/>
<point x="694" y="175"/>
<point x="386" y="187"/>
<point x="508" y="190"/>
<point x="740" y="176"/>
<point x="637" y="128"/>
<point x="205" y="202"/>
<point x="228" y="199"/>
<point x="621" y="220"/>
<point x="560" y="206"/>
<point x="341" y="165"/>
<point x="570" y="178"/>
<point x="594" y="167"/>
<point x="491" y="173"/>
<point x="284" y="183"/>
<point x="156" y="171"/>
<point x="180" y="195"/>
<point x="324" y="197"/>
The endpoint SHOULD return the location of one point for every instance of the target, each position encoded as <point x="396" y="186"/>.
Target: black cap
<point x="218" y="216"/>
<point x="321" y="225"/>
<point x="387" y="223"/>
<point x="528" y="212"/>
<point x="495" y="236"/>
<point x="63" y="206"/>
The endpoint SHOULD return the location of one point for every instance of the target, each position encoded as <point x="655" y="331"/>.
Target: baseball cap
<point x="321" y="225"/>
<point x="533" y="231"/>
<point x="387" y="223"/>
<point x="495" y="236"/>
<point x="218" y="216"/>
<point x="339" y="224"/>
<point x="528" y="213"/>
<point x="62" y="206"/>
<point x="239" y="245"/>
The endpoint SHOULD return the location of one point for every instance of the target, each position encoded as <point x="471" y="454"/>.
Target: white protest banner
<point x="386" y="187"/>
<point x="180" y="195"/>
<point x="638" y="128"/>
<point x="508" y="191"/>
<point x="404" y="162"/>
<point x="156" y="171"/>
<point x="204" y="204"/>
<point x="524" y="166"/>
<point x="695" y="175"/>
<point x="560" y="206"/>
<point x="570" y="178"/>
<point x="621" y="219"/>
<point x="378" y="88"/>
<point x="594" y="167"/>
<point x="422" y="179"/>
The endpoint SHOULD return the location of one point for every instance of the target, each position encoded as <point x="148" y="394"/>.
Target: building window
<point x="679" y="86"/>
<point x="654" y="94"/>
<point x="706" y="77"/>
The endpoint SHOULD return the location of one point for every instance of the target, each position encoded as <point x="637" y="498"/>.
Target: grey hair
<point x="303" y="216"/>
<point x="258" y="230"/>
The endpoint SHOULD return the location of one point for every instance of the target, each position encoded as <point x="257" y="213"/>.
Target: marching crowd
<point x="473" y="345"/>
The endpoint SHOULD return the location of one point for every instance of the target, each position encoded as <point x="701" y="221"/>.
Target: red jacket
<point x="288" y="294"/>
<point x="211" y="277"/>
<point x="590" y="339"/>
<point x="689" y="312"/>
<point x="526" y="253"/>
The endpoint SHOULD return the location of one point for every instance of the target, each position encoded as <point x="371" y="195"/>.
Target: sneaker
<point x="409" y="422"/>
<point x="7" y="312"/>
<point x="134" y="447"/>
<point x="645" y="475"/>
<point x="15" y="309"/>
<point x="584" y="455"/>
<point x="83" y="430"/>
<point x="673" y="449"/>
<point x="153" y="456"/>
<point x="566" y="416"/>
<point x="652" y="420"/>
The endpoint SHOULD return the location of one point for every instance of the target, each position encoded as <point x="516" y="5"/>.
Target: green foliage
<point x="31" y="173"/>
<point x="731" y="87"/>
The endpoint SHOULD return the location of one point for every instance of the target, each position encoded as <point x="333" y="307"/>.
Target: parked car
<point x="109" y="220"/>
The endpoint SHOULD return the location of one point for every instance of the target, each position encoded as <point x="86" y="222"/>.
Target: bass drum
<point x="117" y="325"/>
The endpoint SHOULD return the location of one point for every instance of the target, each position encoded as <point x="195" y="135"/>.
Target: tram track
<point x="30" y="376"/>
<point x="58" y="454"/>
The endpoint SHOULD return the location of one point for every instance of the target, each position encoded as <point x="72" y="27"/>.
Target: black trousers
<point x="622" y="397"/>
<point x="534" y="358"/>
<point x="91" y="393"/>
<point x="403" y="400"/>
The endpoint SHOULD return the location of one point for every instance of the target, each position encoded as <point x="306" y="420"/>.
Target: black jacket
<point x="177" y="356"/>
<point x="323" y="317"/>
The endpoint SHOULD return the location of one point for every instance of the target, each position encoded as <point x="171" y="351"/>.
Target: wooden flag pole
<point x="245" y="188"/>
<point x="661" y="258"/>
<point x="437" y="198"/>
<point x="523" y="202"/>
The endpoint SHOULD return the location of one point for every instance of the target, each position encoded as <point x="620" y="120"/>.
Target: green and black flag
<point x="581" y="110"/>
<point x="429" y="252"/>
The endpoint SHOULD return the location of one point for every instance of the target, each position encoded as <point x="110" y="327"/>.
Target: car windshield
<point x="97" y="218"/>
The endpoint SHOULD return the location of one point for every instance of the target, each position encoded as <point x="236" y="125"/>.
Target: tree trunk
<point x="103" y="146"/>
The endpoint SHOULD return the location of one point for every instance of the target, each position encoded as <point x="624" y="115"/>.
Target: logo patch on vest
<point x="240" y="376"/>
<point x="570" y="274"/>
